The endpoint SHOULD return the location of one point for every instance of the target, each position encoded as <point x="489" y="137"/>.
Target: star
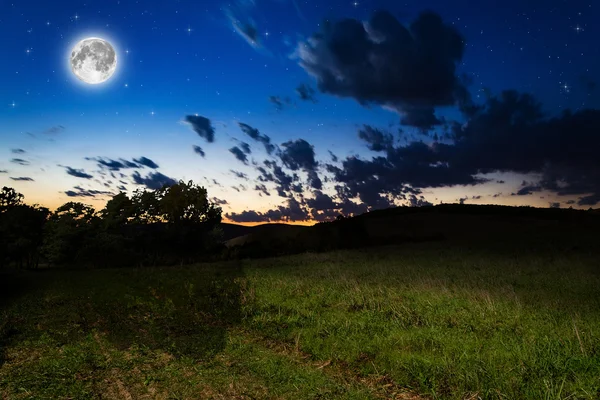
<point x="355" y="4"/>
<point x="189" y="30"/>
<point x="579" y="29"/>
<point x="13" y="104"/>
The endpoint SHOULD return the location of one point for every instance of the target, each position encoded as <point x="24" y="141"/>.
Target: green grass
<point x="396" y="322"/>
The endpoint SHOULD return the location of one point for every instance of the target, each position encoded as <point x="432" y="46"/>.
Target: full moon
<point x="93" y="60"/>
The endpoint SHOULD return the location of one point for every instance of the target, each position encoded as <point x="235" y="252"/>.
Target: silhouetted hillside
<point x="490" y="226"/>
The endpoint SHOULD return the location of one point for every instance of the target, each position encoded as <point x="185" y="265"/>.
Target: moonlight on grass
<point x="93" y="60"/>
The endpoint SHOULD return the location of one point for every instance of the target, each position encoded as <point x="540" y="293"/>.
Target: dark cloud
<point x="334" y="158"/>
<point x="527" y="189"/>
<point x="19" y="161"/>
<point x="422" y="118"/>
<point x="247" y="216"/>
<point x="239" y="174"/>
<point x="198" y="150"/>
<point x="78" y="173"/>
<point x="202" y="126"/>
<point x="154" y="180"/>
<point x="409" y="68"/>
<point x="247" y="30"/>
<point x="17" y="151"/>
<point x="113" y="165"/>
<point x="554" y="205"/>
<point x="122" y="188"/>
<point x="219" y="202"/>
<point x="291" y="212"/>
<point x="590" y="200"/>
<point x="3" y="171"/>
<point x="263" y="189"/>
<point x="55" y="130"/>
<point x="256" y="135"/>
<point x="300" y="154"/>
<point x="78" y="191"/>
<point x="508" y="133"/>
<point x="306" y="93"/>
<point x="571" y="202"/>
<point x="245" y="147"/>
<point x="280" y="102"/>
<point x="414" y="201"/>
<point x="272" y="172"/>
<point x="117" y="165"/>
<point x="22" y="179"/>
<point x="146" y="162"/>
<point x="239" y="154"/>
<point x="375" y="138"/>
<point x="215" y="182"/>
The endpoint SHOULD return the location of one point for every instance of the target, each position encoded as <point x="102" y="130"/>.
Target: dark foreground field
<point x="421" y="320"/>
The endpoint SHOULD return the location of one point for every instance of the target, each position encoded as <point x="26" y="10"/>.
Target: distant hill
<point x="487" y="224"/>
<point x="237" y="235"/>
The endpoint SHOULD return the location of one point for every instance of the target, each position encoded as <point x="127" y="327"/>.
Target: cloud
<point x="78" y="173"/>
<point x="239" y="174"/>
<point x="411" y="69"/>
<point x="3" y="171"/>
<point x="198" y="150"/>
<point x="306" y="92"/>
<point x="219" y="202"/>
<point x="554" y="205"/>
<point x="239" y="154"/>
<point x="248" y="31"/>
<point x="154" y="180"/>
<point x="285" y="183"/>
<point x="55" y="130"/>
<point x="414" y="201"/>
<point x="422" y="118"/>
<point x="146" y="162"/>
<point x="279" y="102"/>
<point x="22" y="179"/>
<point x="263" y="189"/>
<point x="17" y="151"/>
<point x="239" y="188"/>
<point x="334" y="158"/>
<point x="78" y="191"/>
<point x="245" y="147"/>
<point x="202" y="126"/>
<point x="300" y="154"/>
<point x="117" y="165"/>
<point x="257" y="136"/>
<point x="291" y="212"/>
<point x="113" y="165"/>
<point x="376" y="139"/>
<point x="20" y="161"/>
<point x="507" y="134"/>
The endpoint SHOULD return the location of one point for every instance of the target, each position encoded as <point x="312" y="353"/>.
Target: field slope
<point x="421" y="320"/>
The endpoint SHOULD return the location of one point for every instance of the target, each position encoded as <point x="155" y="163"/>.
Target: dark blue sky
<point x="242" y="62"/>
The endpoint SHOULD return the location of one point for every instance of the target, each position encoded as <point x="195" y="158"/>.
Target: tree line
<point x="172" y="225"/>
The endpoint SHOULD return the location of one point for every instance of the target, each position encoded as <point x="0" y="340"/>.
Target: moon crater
<point x="93" y="60"/>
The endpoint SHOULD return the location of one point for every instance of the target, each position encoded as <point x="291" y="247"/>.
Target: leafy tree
<point x="21" y="230"/>
<point x="187" y="202"/>
<point x="68" y="228"/>
<point x="145" y="206"/>
<point x="9" y="197"/>
<point x="118" y="210"/>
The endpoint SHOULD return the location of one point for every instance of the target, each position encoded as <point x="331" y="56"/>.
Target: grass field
<point x="409" y="322"/>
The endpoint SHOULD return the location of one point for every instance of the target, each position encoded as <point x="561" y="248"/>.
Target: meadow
<point x="413" y="321"/>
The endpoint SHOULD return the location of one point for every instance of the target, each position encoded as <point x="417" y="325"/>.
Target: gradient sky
<point x="232" y="62"/>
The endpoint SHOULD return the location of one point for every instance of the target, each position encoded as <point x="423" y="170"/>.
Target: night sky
<point x="290" y="110"/>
